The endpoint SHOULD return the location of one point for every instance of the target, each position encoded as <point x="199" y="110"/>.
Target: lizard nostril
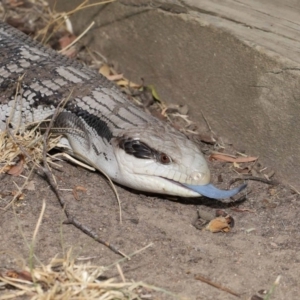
<point x="197" y="176"/>
<point x="200" y="177"/>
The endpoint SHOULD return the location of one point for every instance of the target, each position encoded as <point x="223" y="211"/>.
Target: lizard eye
<point x="164" y="158"/>
<point x="139" y="149"/>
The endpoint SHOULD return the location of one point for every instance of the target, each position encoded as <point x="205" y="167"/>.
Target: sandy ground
<point x="243" y="260"/>
<point x="263" y="244"/>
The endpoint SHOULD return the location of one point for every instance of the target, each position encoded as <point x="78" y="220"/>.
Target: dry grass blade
<point x="64" y="278"/>
<point x="216" y="285"/>
<point x="78" y="38"/>
<point x="31" y="140"/>
<point x="28" y="145"/>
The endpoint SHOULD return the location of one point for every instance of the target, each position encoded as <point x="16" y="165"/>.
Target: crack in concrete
<point x="283" y="70"/>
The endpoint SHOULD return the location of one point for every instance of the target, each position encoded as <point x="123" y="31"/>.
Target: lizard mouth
<point x="210" y="191"/>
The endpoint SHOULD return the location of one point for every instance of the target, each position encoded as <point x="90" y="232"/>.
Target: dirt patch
<point x="263" y="244"/>
<point x="244" y="260"/>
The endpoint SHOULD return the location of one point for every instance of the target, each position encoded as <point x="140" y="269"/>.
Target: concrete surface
<point x="237" y="62"/>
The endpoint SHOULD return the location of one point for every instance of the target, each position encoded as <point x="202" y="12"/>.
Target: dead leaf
<point x="231" y="158"/>
<point x="218" y="224"/>
<point x="76" y="189"/>
<point x="18" y="168"/>
<point x="105" y="70"/>
<point x="22" y="275"/>
<point x="114" y="77"/>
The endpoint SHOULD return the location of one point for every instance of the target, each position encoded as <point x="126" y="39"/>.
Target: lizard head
<point x="166" y="163"/>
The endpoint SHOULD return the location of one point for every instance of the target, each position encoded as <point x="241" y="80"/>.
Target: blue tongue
<point x="210" y="191"/>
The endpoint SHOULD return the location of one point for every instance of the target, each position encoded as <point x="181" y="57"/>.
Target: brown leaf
<point x="105" y="70"/>
<point x="218" y="224"/>
<point x="231" y="158"/>
<point x="22" y="275"/>
<point x="78" y="188"/>
<point x="17" y="169"/>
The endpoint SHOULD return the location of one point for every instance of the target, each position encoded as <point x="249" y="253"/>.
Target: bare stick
<point x="216" y="285"/>
<point x="264" y="180"/>
<point x="70" y="219"/>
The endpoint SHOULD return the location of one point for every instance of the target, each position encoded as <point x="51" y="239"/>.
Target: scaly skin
<point x="102" y="127"/>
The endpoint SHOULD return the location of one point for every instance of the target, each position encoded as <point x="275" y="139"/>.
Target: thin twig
<point x="294" y="189"/>
<point x="216" y="285"/>
<point x="33" y="242"/>
<point x="70" y="218"/>
<point x="264" y="180"/>
<point x="208" y="125"/>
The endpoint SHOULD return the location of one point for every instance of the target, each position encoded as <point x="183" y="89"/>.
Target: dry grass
<point x="65" y="278"/>
<point x="30" y="140"/>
